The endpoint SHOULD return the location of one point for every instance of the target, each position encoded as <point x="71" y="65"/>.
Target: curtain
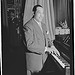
<point x="48" y="12"/>
<point x="61" y="11"/>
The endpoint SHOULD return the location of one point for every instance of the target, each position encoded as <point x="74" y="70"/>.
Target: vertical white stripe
<point x="74" y="35"/>
<point x="0" y="31"/>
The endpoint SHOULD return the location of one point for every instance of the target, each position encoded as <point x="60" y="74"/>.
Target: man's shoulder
<point x="29" y="24"/>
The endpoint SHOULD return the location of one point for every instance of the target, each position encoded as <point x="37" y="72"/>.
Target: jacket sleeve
<point x="30" y="40"/>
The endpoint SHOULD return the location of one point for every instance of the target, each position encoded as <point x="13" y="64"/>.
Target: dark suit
<point x="36" y="42"/>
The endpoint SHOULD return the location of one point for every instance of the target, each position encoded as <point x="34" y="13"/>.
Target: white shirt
<point x="39" y="23"/>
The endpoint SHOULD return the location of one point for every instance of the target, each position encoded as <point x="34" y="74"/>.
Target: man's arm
<point x="51" y="48"/>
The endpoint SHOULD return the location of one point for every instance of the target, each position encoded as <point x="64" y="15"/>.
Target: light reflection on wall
<point x="0" y="33"/>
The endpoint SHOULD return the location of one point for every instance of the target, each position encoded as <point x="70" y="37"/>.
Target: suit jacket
<point x="36" y="41"/>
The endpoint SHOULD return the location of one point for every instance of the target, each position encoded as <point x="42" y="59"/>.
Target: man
<point x="36" y="41"/>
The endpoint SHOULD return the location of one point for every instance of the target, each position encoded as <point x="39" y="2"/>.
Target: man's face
<point x="39" y="14"/>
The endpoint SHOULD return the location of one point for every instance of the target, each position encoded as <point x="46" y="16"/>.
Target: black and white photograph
<point x="37" y="37"/>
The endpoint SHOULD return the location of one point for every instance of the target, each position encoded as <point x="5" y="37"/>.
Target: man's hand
<point x="53" y="50"/>
<point x="47" y="49"/>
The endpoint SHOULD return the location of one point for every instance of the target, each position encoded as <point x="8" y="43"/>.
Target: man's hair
<point x="35" y="8"/>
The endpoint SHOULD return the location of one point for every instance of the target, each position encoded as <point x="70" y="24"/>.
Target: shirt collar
<point x="37" y="22"/>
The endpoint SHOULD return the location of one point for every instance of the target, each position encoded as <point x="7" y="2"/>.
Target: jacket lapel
<point x="37" y="28"/>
